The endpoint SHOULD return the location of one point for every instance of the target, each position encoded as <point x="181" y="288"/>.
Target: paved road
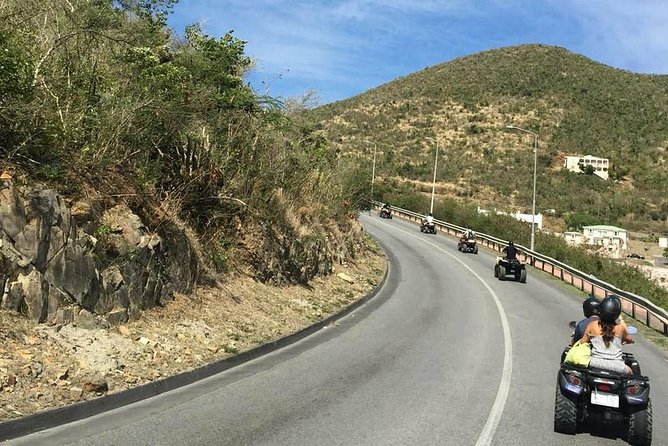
<point x="444" y="355"/>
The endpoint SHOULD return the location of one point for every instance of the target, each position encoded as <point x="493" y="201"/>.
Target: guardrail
<point x="636" y="306"/>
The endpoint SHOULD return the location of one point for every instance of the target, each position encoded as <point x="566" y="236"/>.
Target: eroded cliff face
<point x="51" y="269"/>
<point x="100" y="264"/>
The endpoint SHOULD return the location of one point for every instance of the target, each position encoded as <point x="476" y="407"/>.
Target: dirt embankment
<point x="44" y="366"/>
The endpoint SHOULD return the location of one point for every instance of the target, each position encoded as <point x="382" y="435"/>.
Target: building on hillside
<point x="527" y="218"/>
<point x="600" y="166"/>
<point x="663" y="242"/>
<point x="573" y="238"/>
<point x="612" y="238"/>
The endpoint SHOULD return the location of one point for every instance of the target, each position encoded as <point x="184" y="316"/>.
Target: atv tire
<point x="502" y="273"/>
<point x="640" y="426"/>
<point x="523" y="276"/>
<point x="475" y="250"/>
<point x="565" y="414"/>
<point x="496" y="270"/>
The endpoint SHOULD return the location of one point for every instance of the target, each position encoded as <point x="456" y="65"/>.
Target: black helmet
<point x="610" y="308"/>
<point x="511" y="243"/>
<point x="590" y="306"/>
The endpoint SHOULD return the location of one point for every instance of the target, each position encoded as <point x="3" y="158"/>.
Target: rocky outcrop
<point x="287" y="257"/>
<point x="48" y="262"/>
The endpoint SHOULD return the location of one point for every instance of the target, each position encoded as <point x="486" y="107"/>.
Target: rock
<point x="33" y="295"/>
<point x="12" y="213"/>
<point x="125" y="331"/>
<point x="86" y="319"/>
<point x="212" y="348"/>
<point x="346" y="277"/>
<point x="63" y="374"/>
<point x="14" y="297"/>
<point x="130" y="379"/>
<point x="117" y="316"/>
<point x="37" y="369"/>
<point x="96" y="386"/>
<point x="76" y="392"/>
<point x="11" y="380"/>
<point x="64" y="316"/>
<point x="144" y="341"/>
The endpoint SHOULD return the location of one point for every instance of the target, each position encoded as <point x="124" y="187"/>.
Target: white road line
<point x="487" y="435"/>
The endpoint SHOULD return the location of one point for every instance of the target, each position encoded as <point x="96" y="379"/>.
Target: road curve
<point x="443" y="355"/>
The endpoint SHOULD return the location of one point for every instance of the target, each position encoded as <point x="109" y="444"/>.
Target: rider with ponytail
<point x="607" y="336"/>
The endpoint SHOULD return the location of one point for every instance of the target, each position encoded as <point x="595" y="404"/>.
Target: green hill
<point x="575" y="105"/>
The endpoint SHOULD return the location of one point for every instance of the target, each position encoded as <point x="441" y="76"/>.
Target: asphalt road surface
<point x="445" y="354"/>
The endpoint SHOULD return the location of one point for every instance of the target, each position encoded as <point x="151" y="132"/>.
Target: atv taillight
<point x="574" y="378"/>
<point x="604" y="387"/>
<point x="633" y="387"/>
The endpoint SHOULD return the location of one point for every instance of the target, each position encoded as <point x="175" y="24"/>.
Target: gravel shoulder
<point x="46" y="366"/>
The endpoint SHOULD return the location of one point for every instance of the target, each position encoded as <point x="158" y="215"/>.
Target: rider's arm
<point x="626" y="337"/>
<point x="589" y="331"/>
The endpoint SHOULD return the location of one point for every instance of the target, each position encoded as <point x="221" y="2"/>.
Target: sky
<point x="341" y="48"/>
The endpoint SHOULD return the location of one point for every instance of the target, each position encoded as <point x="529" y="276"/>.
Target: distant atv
<point x="385" y="213"/>
<point x="427" y="227"/>
<point x="514" y="267"/>
<point x="467" y="245"/>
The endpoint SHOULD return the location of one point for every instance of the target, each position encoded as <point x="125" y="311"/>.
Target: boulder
<point x="35" y="298"/>
<point x="64" y="316"/>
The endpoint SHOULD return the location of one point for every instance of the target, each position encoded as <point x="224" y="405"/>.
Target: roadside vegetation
<point x="575" y="105"/>
<point x="101" y="97"/>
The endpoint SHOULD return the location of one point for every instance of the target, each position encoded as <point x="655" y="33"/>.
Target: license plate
<point x="605" y="399"/>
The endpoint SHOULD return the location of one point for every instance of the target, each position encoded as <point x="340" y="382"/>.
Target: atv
<point x="514" y="267"/>
<point x="427" y="227"/>
<point x="467" y="245"/>
<point x="618" y="403"/>
<point x="385" y="213"/>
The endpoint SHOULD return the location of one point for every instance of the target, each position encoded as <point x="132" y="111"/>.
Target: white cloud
<point x="358" y="44"/>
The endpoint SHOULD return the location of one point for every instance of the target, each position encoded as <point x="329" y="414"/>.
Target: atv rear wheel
<point x="523" y="276"/>
<point x="475" y="250"/>
<point x="640" y="426"/>
<point x="565" y="414"/>
<point x="502" y="272"/>
<point x="496" y="270"/>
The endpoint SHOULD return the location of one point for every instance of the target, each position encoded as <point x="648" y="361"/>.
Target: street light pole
<point x="373" y="168"/>
<point x="535" y="162"/>
<point x="433" y="183"/>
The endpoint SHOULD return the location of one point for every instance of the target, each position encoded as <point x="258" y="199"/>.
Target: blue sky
<point x="341" y="48"/>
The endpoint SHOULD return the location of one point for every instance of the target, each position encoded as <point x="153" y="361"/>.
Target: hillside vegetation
<point x="99" y="99"/>
<point x="575" y="105"/>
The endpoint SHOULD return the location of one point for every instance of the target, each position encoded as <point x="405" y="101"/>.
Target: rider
<point x="469" y="234"/>
<point x="430" y="219"/>
<point x="510" y="251"/>
<point x="590" y="310"/>
<point x="607" y="336"/>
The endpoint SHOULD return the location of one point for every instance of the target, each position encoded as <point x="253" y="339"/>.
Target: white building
<point x="573" y="238"/>
<point x="526" y="218"/>
<point x="529" y="218"/>
<point x="601" y="166"/>
<point x="614" y="239"/>
<point x="663" y="242"/>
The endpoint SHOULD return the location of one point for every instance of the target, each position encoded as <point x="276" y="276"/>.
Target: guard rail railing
<point x="638" y="307"/>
